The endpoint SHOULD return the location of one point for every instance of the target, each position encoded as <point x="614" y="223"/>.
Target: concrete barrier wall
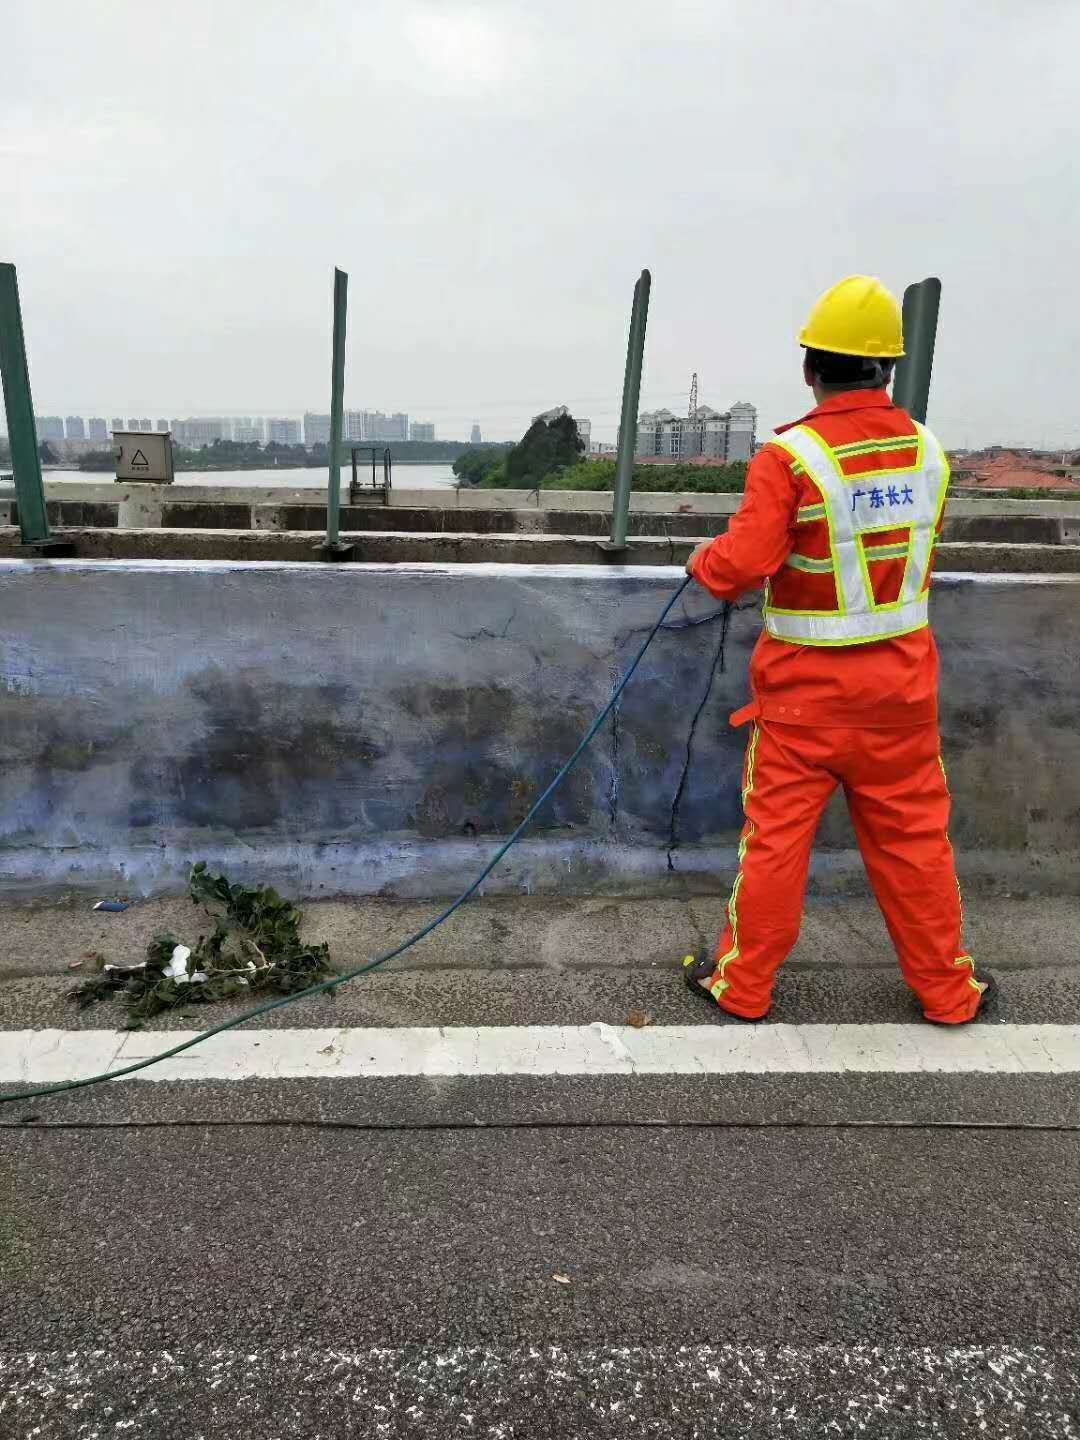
<point x="145" y="504"/>
<point x="374" y="729"/>
<point x="451" y="547"/>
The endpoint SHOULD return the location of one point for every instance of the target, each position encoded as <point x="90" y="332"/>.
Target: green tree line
<point x="550" y="456"/>
<point x="245" y="455"/>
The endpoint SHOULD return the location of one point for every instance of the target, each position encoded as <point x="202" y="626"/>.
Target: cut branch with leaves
<point x="255" y="945"/>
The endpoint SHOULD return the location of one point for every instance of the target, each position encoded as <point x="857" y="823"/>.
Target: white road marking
<point x="38" y="1057"/>
<point x="494" y="1392"/>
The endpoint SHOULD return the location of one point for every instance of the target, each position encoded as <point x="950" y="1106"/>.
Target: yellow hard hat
<point x="857" y="316"/>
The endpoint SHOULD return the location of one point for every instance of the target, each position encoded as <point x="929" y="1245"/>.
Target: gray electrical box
<point x="144" y="455"/>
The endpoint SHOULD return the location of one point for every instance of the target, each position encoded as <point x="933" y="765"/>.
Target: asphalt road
<point x="512" y="1256"/>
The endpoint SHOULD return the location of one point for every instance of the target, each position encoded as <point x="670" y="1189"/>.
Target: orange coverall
<point x="861" y="716"/>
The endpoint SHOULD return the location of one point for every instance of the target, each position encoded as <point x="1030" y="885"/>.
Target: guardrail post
<point x="332" y="548"/>
<point x="911" y="385"/>
<point x="624" y="463"/>
<point x="22" y="432"/>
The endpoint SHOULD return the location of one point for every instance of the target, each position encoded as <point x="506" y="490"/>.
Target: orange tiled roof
<point x="1008" y="471"/>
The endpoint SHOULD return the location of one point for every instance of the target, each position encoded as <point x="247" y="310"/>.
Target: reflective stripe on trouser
<point x="899" y="801"/>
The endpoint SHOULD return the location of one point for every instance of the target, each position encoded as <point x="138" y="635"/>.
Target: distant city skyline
<point x="359" y="423"/>
<point x="307" y="428"/>
<point x="391" y="424"/>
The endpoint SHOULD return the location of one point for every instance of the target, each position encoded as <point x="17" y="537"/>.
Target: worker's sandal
<point x="989" y="1006"/>
<point x="700" y="967"/>
<point x="697" y="968"/>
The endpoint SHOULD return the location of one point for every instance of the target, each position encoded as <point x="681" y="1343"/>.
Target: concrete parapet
<point x="465" y="548"/>
<point x="103" y="491"/>
<point x="374" y="729"/>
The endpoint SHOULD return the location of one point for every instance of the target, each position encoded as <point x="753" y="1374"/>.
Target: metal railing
<point x="376" y="486"/>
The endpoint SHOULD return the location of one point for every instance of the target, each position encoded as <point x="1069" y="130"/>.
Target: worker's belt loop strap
<point x="748" y="712"/>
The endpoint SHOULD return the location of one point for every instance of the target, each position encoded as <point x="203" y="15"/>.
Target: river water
<point x="406" y="477"/>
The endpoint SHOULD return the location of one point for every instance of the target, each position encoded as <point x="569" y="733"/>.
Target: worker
<point x="840" y="518"/>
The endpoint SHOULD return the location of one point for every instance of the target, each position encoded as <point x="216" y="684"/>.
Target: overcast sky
<point x="177" y="179"/>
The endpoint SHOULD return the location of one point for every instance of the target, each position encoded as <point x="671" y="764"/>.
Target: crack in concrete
<point x="123" y="1039"/>
<point x="870" y="941"/>
<point x="485" y="634"/>
<point x="668" y="537"/>
<point x="687" y="623"/>
<point x="717" y="667"/>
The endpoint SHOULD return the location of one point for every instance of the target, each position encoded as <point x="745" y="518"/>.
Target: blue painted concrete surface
<point x="374" y="728"/>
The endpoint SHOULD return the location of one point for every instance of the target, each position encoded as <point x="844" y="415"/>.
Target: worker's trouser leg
<point x="784" y="792"/>
<point x="899" y="802"/>
<point x="896" y="790"/>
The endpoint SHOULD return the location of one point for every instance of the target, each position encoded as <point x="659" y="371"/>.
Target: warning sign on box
<point x="142" y="455"/>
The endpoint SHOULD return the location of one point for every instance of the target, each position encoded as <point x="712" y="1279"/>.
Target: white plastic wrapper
<point x="177" y="967"/>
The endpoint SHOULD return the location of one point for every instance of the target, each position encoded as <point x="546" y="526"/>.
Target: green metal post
<point x="333" y="549"/>
<point x="22" y="432"/>
<point x="624" y="464"/>
<point x="911" y="386"/>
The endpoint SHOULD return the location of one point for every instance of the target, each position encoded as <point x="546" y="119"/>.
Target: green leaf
<point x="253" y="925"/>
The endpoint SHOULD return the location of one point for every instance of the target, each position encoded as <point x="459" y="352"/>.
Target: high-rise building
<point x="116" y="423"/>
<point x="49" y="427"/>
<point x="163" y="427"/>
<point x="352" y="425"/>
<point x="421" y="430"/>
<point x="378" y="426"/>
<point x="742" y="431"/>
<point x="75" y="428"/>
<point x="474" y="438"/>
<point x="584" y="427"/>
<point x="718" y="435"/>
<point x="144" y="424"/>
<point x="134" y="425"/>
<point x="193" y="433"/>
<point x="248" y="430"/>
<point x="283" y="432"/>
<point x="97" y="428"/>
<point x="316" y="429"/>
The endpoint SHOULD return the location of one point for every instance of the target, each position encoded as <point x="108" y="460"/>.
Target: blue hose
<point x="379" y="960"/>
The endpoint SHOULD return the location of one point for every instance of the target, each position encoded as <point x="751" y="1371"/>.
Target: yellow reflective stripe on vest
<point x="873" y="447"/>
<point x="885" y="552"/>
<point x="924" y="532"/>
<point x="807" y="628"/>
<point x="823" y="468"/>
<point x="856" y="507"/>
<point x="806" y="513"/>
<point x="809" y="564"/>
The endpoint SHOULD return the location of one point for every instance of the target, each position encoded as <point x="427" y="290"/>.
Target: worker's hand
<point x="705" y="545"/>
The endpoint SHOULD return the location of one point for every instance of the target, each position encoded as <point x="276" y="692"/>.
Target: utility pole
<point x="22" y="432"/>
<point x="911" y="387"/>
<point x="624" y="464"/>
<point x="332" y="548"/>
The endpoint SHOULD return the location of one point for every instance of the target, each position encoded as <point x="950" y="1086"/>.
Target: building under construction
<point x="718" y="435"/>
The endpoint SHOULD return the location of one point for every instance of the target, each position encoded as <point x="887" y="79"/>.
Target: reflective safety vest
<point x="860" y="569"/>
